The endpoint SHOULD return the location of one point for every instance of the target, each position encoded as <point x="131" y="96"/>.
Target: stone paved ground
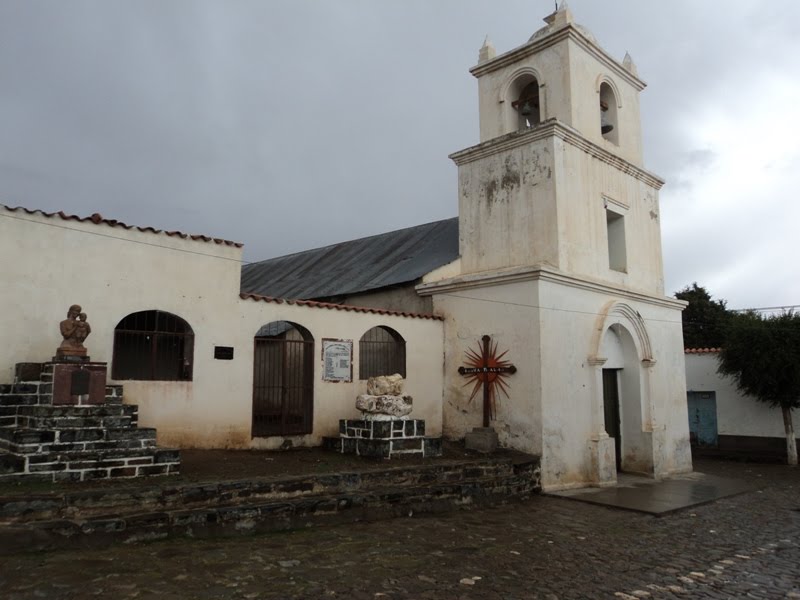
<point x="742" y="547"/>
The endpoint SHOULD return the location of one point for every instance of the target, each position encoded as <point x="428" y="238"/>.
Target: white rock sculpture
<point x="383" y="406"/>
<point x="385" y="385"/>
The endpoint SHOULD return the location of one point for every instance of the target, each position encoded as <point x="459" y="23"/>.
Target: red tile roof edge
<point x="98" y="219"/>
<point x="347" y="307"/>
<point x="701" y="350"/>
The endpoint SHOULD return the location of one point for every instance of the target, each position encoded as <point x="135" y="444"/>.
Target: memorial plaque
<point x="337" y="360"/>
<point x="79" y="385"/>
<point x="223" y="352"/>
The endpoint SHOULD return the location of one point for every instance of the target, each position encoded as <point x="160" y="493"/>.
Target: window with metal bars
<point x="153" y="345"/>
<point x="382" y="351"/>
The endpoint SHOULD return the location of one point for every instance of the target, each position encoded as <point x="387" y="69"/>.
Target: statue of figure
<point x="75" y="330"/>
<point x="82" y="328"/>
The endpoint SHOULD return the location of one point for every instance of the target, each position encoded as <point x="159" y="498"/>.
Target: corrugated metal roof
<point x="359" y="265"/>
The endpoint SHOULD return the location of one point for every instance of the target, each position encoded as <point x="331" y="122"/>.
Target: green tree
<point x="762" y="354"/>
<point x="703" y="319"/>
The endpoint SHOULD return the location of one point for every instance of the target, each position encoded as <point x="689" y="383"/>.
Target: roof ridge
<point x="98" y="219"/>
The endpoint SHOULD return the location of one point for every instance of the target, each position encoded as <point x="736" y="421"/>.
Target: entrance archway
<point x="623" y="416"/>
<point x="283" y="380"/>
<point x="623" y="399"/>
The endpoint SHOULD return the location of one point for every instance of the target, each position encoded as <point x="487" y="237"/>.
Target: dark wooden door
<point x="611" y="410"/>
<point x="283" y="386"/>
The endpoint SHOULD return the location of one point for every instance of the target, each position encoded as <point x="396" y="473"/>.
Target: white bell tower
<point x="557" y="179"/>
<point x="560" y="243"/>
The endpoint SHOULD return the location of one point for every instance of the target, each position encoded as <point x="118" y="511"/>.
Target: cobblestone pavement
<point x="747" y="546"/>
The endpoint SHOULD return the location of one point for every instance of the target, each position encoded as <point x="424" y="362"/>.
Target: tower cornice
<point x="554" y="128"/>
<point x="571" y="32"/>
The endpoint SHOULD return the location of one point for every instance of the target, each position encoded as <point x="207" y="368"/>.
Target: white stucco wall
<point x="541" y="197"/>
<point x="737" y="414"/>
<point x="112" y="272"/>
<point x="553" y="326"/>
<point x="507" y="313"/>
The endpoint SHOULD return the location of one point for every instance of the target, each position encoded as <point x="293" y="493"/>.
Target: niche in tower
<point x="609" y="128"/>
<point x="525" y="92"/>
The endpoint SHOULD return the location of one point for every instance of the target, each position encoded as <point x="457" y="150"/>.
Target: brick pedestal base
<point x="79" y="383"/>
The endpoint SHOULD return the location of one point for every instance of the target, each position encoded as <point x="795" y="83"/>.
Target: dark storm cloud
<point x="293" y="124"/>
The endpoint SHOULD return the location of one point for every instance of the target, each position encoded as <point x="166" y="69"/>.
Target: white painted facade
<point x="737" y="414"/>
<point x="561" y="265"/>
<point x="112" y="272"/>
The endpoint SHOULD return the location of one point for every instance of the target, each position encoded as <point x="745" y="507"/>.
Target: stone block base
<point x="384" y="439"/>
<point x="482" y="439"/>
<point x="64" y="428"/>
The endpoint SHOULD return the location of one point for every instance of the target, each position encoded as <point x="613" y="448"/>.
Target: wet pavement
<point x="645" y="495"/>
<point x="744" y="546"/>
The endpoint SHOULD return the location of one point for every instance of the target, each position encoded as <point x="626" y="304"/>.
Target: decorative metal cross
<point x="488" y="369"/>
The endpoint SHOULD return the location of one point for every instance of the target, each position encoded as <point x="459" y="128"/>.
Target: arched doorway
<point x="623" y="401"/>
<point x="283" y="380"/>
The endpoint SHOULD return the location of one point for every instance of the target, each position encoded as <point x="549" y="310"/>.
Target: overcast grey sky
<point x="292" y="124"/>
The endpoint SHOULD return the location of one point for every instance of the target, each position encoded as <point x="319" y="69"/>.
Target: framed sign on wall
<point x="337" y="360"/>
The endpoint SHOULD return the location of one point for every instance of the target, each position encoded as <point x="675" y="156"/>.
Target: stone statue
<point x="74" y="330"/>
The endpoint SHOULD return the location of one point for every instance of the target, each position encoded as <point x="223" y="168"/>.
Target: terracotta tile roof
<point x="347" y="307"/>
<point x="98" y="219"/>
<point x="701" y="350"/>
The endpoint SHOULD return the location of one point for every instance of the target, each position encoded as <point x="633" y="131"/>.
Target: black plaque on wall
<point x="223" y="352"/>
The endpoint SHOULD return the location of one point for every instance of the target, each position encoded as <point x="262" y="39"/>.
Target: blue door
<point x="703" y="418"/>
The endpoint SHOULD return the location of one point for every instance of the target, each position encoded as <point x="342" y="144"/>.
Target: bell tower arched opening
<point x="525" y="100"/>
<point x="609" y="126"/>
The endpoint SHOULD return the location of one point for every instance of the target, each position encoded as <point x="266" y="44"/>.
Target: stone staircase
<point x="100" y="515"/>
<point x="74" y="443"/>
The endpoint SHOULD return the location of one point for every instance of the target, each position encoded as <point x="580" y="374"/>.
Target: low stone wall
<point x="104" y="515"/>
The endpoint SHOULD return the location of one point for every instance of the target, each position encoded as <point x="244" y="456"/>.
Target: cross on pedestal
<point x="486" y="369"/>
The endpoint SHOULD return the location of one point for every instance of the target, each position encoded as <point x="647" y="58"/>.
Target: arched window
<point x="153" y="346"/>
<point x="608" y="114"/>
<point x="527" y="102"/>
<point x="382" y="351"/>
<point x="283" y="380"/>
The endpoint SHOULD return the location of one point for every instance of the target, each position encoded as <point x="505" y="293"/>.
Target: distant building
<point x="722" y="418"/>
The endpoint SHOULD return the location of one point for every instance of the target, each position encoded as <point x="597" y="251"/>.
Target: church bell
<point x="605" y="124"/>
<point x="526" y="109"/>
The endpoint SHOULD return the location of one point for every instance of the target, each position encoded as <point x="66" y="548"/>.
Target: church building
<point x="551" y="274"/>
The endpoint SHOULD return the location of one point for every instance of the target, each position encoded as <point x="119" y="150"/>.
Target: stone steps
<point x="49" y="521"/>
<point x="40" y="441"/>
<point x="31" y="441"/>
<point x="99" y="464"/>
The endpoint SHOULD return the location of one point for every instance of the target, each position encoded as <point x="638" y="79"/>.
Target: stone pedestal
<point x="482" y="439"/>
<point x="79" y="382"/>
<point x="387" y="438"/>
